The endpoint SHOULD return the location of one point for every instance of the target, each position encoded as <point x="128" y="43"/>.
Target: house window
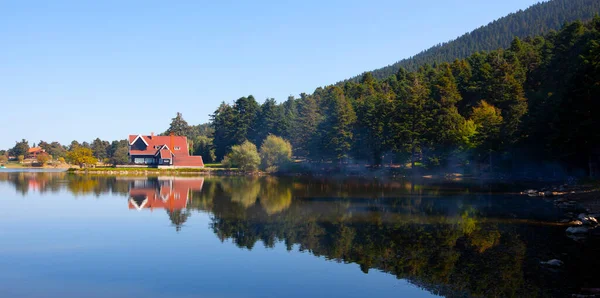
<point x="149" y="160"/>
<point x="138" y="160"/>
<point x="176" y="147"/>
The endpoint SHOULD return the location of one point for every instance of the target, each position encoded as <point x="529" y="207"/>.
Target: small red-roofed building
<point x="33" y="152"/>
<point x="162" y="151"/>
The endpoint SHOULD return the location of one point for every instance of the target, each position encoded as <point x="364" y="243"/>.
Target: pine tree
<point x="373" y="106"/>
<point x="446" y="124"/>
<point x="335" y="131"/>
<point x="269" y="120"/>
<point x="100" y="149"/>
<point x="245" y="113"/>
<point x="290" y="112"/>
<point x="223" y="123"/>
<point x="179" y="127"/>
<point x="305" y="124"/>
<point x="505" y="90"/>
<point x="410" y="126"/>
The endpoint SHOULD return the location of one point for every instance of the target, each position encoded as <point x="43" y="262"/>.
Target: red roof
<point x="165" y="153"/>
<point x="188" y="161"/>
<point x="34" y="149"/>
<point x="154" y="143"/>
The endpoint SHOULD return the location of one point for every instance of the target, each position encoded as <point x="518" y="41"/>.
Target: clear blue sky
<point x="84" y="69"/>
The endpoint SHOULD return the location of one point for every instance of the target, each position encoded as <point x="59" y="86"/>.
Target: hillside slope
<point x="535" y="20"/>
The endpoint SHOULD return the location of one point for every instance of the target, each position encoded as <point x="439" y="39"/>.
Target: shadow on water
<point x="450" y="238"/>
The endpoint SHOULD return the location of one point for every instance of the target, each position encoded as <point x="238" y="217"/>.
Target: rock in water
<point x="553" y="263"/>
<point x="577" y="230"/>
<point x="575" y="223"/>
<point x="587" y="220"/>
<point x="590" y="221"/>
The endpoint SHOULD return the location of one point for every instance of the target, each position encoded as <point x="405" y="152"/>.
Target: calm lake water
<point x="63" y="235"/>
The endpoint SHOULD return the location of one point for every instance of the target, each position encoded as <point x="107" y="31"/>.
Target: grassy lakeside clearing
<point x="213" y="166"/>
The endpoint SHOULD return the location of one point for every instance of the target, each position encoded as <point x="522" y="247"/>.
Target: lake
<point x="64" y="235"/>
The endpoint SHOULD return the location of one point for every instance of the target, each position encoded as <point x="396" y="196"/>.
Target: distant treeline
<point x="115" y="152"/>
<point x="538" y="19"/>
<point x="536" y="100"/>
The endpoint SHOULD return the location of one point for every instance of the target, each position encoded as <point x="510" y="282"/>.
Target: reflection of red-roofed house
<point x="171" y="194"/>
<point x="162" y="151"/>
<point x="34" y="184"/>
<point x="34" y="152"/>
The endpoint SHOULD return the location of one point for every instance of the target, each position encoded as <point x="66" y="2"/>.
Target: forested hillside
<point x="536" y="20"/>
<point x="537" y="100"/>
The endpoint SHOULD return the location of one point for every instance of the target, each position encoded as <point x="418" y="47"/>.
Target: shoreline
<point x="156" y="171"/>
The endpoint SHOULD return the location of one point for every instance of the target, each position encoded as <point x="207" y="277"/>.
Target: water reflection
<point x="450" y="240"/>
<point x="162" y="193"/>
<point x="170" y="193"/>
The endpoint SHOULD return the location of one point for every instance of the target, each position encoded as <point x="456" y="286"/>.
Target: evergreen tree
<point x="269" y="120"/>
<point x="203" y="146"/>
<point x="20" y="148"/>
<point x="179" y="127"/>
<point x="412" y="118"/>
<point x="305" y="125"/>
<point x="374" y="107"/>
<point x="290" y="112"/>
<point x="334" y="133"/>
<point x="100" y="149"/>
<point x="245" y="114"/>
<point x="55" y="149"/>
<point x="505" y="90"/>
<point x="223" y="123"/>
<point x="446" y="124"/>
<point x="118" y="152"/>
<point x="74" y="144"/>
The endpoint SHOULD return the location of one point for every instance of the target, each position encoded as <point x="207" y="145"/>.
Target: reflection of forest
<point x="438" y="238"/>
<point x="444" y="244"/>
<point x="452" y="256"/>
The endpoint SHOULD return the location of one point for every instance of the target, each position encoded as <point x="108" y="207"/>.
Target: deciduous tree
<point x="43" y="158"/>
<point x="244" y="156"/>
<point x="81" y="156"/>
<point x="275" y="153"/>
